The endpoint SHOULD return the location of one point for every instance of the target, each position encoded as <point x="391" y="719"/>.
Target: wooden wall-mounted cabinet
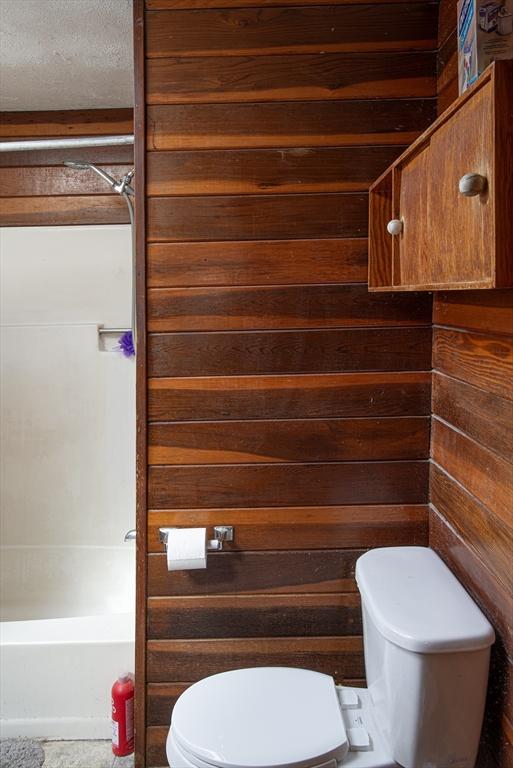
<point x="441" y="217"/>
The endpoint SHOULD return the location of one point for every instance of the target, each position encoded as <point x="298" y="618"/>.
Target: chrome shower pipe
<point x="69" y="143"/>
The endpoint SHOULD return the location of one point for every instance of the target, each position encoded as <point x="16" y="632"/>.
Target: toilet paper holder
<point x="222" y="533"/>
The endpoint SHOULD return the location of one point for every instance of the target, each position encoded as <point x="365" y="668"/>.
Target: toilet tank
<point x="427" y="650"/>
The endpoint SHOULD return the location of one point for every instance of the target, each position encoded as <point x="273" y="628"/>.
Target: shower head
<point x="122" y="187"/>
<point x="77" y="165"/>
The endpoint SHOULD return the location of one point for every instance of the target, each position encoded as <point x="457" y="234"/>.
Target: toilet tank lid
<point x="418" y="604"/>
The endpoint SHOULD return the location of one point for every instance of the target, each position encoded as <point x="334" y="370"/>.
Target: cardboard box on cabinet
<point x="485" y="34"/>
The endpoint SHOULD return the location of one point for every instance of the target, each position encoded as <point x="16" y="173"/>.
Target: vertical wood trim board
<point x="141" y="388"/>
<point x="282" y="397"/>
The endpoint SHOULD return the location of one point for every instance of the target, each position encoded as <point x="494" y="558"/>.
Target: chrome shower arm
<point x="122" y="186"/>
<point x="105" y="176"/>
<point x="79" y="166"/>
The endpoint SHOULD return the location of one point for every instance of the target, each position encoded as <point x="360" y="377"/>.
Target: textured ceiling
<point x="65" y="54"/>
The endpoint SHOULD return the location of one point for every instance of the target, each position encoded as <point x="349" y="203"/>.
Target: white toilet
<point x="427" y="648"/>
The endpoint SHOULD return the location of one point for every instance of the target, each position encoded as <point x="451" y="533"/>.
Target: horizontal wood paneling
<point x="296" y="77"/>
<point x="161" y="699"/>
<point x="471" y="486"/>
<point x="49" y="180"/>
<point x="483" y="311"/>
<point x="497" y="734"/>
<point x="267" y="262"/>
<point x="274" y="572"/>
<point x="191" y="660"/>
<point x="206" y="309"/>
<point x="156" y="737"/>
<point x="308" y="528"/>
<point x="481" y="360"/>
<point x="72" y="122"/>
<point x="120" y="155"/>
<point x="280" y="397"/>
<point x="494" y="600"/>
<point x="288" y="124"/>
<point x="256" y="217"/>
<point x="51" y="211"/>
<point x="316" y="440"/>
<point x="316" y="29"/>
<point x="269" y="366"/>
<point x="258" y="171"/>
<point x="288" y="484"/>
<point x="483" y="531"/>
<point x="231" y="616"/>
<point x="204" y="354"/>
<point x="481" y="415"/>
<point x="487" y="476"/>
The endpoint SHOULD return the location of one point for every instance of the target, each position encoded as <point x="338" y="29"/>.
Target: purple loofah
<point x="126" y="344"/>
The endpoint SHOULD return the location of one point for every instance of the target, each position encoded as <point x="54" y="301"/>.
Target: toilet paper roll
<point x="186" y="549"/>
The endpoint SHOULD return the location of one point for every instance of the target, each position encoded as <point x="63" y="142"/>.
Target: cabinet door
<point x="412" y="249"/>
<point x="462" y="228"/>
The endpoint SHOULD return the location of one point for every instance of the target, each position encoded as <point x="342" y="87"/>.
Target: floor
<point x="83" y="754"/>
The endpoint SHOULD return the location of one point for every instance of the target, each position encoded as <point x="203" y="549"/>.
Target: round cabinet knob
<point x="395" y="227"/>
<point x="472" y="184"/>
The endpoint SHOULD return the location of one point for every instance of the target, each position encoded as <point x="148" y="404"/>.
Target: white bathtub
<point x="67" y="631"/>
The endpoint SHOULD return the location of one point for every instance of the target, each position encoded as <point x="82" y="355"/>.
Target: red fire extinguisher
<point x="123" y="716"/>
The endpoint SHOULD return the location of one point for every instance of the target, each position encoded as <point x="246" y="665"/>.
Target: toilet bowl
<point x="427" y="651"/>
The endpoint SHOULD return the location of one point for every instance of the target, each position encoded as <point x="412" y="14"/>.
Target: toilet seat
<point x="266" y="717"/>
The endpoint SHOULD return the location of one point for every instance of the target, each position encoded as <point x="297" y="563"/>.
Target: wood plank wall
<point x="447" y="85"/>
<point x="37" y="190"/>
<point x="282" y="397"/>
<point x="471" y="522"/>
